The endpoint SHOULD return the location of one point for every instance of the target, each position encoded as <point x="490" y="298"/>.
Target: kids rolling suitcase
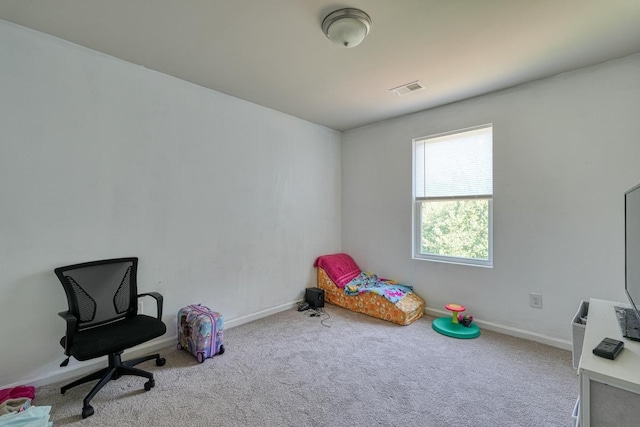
<point x="200" y="331"/>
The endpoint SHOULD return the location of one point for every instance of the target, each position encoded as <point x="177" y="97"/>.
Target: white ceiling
<point x="273" y="52"/>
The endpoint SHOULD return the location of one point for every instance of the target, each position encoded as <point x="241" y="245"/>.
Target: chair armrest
<point x="71" y="329"/>
<point x="158" y="298"/>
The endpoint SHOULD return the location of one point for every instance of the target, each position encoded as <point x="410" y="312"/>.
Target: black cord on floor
<point x="314" y="312"/>
<point x="320" y="312"/>
<point x="328" y="317"/>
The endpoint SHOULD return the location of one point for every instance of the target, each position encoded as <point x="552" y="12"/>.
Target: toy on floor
<point x="458" y="325"/>
<point x="465" y="319"/>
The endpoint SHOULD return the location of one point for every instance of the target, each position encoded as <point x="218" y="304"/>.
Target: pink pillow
<point x="340" y="268"/>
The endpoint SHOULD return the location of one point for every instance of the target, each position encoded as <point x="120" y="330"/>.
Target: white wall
<point x="565" y="151"/>
<point x="225" y="202"/>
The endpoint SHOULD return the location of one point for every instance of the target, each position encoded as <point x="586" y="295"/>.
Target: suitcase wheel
<point x="179" y="346"/>
<point x="221" y="351"/>
<point x="200" y="357"/>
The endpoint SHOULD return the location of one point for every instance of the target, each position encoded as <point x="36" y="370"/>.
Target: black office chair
<point x="103" y="320"/>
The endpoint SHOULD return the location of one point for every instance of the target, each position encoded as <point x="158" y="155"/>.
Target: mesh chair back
<point x="100" y="291"/>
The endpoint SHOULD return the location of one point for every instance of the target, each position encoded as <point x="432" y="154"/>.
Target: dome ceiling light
<point x="346" y="27"/>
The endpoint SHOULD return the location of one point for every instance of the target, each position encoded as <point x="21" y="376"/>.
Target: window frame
<point x="417" y="210"/>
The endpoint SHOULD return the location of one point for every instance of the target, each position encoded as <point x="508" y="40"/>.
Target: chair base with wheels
<point x="115" y="370"/>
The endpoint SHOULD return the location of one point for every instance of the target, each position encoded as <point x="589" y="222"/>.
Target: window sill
<point x="456" y="261"/>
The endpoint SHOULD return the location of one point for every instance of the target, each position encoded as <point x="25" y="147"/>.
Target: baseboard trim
<point x="259" y="315"/>
<point x="507" y="330"/>
<point x="76" y="369"/>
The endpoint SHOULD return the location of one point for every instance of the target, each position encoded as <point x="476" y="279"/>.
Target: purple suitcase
<point x="200" y="331"/>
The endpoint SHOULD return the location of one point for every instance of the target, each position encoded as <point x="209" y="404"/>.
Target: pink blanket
<point x="16" y="392"/>
<point x="340" y="268"/>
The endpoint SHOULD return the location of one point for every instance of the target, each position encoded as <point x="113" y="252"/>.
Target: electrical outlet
<point x="535" y="300"/>
<point x="139" y="307"/>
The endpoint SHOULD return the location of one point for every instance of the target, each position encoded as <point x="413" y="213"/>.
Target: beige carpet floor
<point x="348" y="369"/>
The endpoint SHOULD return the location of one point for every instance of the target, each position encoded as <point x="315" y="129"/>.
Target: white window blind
<point x="456" y="165"/>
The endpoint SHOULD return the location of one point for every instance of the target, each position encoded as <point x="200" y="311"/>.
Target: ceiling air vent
<point x="407" y="88"/>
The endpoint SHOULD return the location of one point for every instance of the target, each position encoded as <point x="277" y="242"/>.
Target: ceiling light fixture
<point x="346" y="27"/>
<point x="408" y="88"/>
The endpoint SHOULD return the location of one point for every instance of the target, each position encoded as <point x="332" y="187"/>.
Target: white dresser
<point x="609" y="389"/>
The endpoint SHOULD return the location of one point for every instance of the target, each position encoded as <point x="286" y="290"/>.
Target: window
<point x="453" y="192"/>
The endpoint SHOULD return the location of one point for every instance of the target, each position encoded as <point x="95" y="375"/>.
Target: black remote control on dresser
<point x="608" y="348"/>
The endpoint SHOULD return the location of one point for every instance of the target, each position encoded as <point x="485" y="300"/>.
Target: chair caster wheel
<point x="221" y="351"/>
<point x="149" y="385"/>
<point x="87" y="411"/>
<point x="160" y="361"/>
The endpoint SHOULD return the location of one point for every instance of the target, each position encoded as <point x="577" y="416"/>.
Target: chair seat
<point x="115" y="337"/>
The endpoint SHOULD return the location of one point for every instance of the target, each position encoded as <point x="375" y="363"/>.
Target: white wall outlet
<point x="139" y="307"/>
<point x="535" y="300"/>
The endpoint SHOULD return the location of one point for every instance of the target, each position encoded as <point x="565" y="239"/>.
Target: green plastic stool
<point x="450" y="326"/>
